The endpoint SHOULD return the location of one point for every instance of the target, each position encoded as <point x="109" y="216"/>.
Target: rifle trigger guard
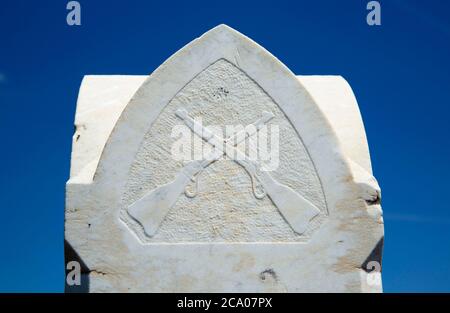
<point x="256" y="185"/>
<point x="192" y="194"/>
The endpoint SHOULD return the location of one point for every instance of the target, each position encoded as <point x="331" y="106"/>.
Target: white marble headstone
<point x="138" y="219"/>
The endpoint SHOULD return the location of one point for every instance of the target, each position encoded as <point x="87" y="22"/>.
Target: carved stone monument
<point x="141" y="218"/>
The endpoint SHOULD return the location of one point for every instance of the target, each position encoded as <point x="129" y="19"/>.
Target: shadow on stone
<point x="375" y="255"/>
<point x="71" y="255"/>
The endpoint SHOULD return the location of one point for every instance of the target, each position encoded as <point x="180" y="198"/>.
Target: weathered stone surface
<point x="224" y="238"/>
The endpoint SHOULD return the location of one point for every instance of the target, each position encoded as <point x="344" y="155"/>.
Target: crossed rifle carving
<point x="151" y="209"/>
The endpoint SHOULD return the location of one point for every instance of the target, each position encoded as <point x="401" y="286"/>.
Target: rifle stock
<point x="150" y="210"/>
<point x="296" y="210"/>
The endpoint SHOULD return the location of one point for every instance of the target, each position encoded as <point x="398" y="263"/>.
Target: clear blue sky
<point x="400" y="73"/>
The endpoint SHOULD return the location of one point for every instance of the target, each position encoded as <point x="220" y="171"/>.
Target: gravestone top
<point x="222" y="171"/>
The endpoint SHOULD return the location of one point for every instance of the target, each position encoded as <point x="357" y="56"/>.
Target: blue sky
<point x="400" y="73"/>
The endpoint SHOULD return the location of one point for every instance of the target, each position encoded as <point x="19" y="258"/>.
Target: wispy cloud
<point x="415" y="218"/>
<point x="2" y="77"/>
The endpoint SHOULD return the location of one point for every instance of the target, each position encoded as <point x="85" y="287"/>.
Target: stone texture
<point x="224" y="239"/>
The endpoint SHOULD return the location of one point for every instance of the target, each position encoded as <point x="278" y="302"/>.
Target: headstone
<point x="165" y="195"/>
